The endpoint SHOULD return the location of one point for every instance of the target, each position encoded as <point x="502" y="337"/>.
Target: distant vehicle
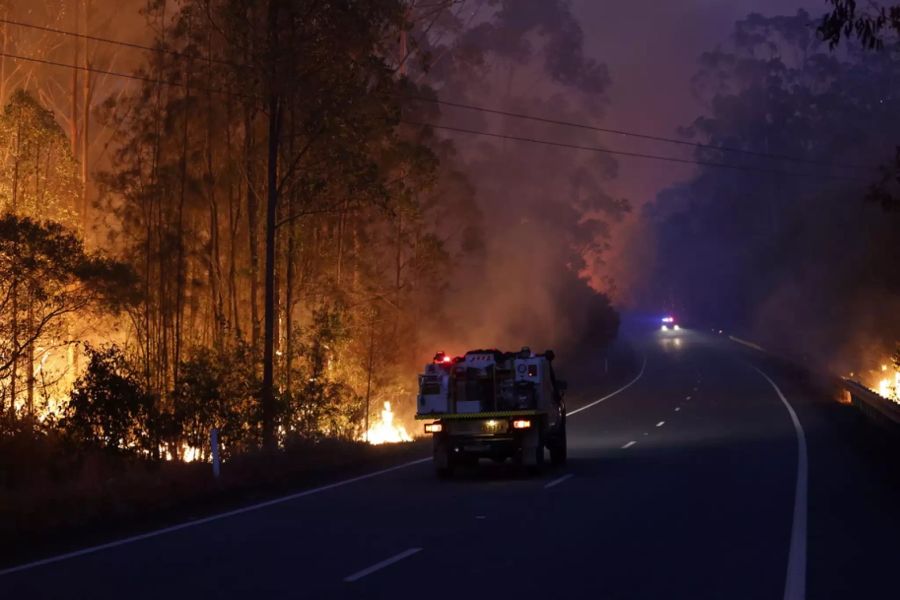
<point x="493" y="404"/>
<point x="669" y="324"/>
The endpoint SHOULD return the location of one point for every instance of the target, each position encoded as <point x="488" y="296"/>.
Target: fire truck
<point x="495" y="405"/>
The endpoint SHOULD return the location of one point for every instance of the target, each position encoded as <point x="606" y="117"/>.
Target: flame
<point x="386" y="431"/>
<point x="889" y="387"/>
<point x="887" y="382"/>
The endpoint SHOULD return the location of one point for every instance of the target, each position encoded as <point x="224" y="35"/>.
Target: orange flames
<point x="386" y="431"/>
<point x="889" y="383"/>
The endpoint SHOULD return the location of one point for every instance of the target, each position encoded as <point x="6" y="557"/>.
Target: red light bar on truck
<point x="433" y="427"/>
<point x="441" y="358"/>
<point x="521" y="424"/>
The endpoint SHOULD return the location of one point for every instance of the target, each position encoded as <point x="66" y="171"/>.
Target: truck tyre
<point x="558" y="448"/>
<point x="538" y="450"/>
<point x="443" y="459"/>
<point x="443" y="472"/>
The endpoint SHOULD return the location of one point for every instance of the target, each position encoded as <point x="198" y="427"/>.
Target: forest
<point x="236" y="215"/>
<point x="795" y="245"/>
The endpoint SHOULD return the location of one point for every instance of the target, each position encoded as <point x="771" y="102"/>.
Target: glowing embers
<point x="187" y="454"/>
<point x="386" y="431"/>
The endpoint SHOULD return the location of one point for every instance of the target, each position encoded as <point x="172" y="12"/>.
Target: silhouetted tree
<point x="109" y="408"/>
<point x="46" y="277"/>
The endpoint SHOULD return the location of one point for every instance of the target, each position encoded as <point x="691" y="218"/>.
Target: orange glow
<point x="386" y="431"/>
<point x="884" y="381"/>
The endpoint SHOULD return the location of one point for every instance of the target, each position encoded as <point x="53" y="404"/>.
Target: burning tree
<point x="45" y="276"/>
<point x="37" y="172"/>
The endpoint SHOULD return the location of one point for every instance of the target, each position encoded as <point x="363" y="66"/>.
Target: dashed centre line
<point x="629" y="445"/>
<point x="558" y="481"/>
<point x="661" y="423"/>
<point x="677" y="408"/>
<point x="380" y="565"/>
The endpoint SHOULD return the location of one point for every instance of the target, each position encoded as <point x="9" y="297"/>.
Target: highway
<point x="707" y="471"/>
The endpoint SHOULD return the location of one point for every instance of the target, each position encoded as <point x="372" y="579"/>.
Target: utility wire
<point x="633" y="134"/>
<point x="670" y="159"/>
<point x="657" y="157"/>
<point x="472" y="107"/>
<point x="167" y="82"/>
<point x="133" y="45"/>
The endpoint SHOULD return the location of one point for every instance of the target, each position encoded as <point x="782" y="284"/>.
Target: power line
<point x="167" y="82"/>
<point x="600" y="150"/>
<point x="483" y="109"/>
<point x="633" y="134"/>
<point x="133" y="45"/>
<point x="670" y="159"/>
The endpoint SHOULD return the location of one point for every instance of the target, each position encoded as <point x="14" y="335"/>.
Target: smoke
<point x="544" y="214"/>
<point x="795" y="259"/>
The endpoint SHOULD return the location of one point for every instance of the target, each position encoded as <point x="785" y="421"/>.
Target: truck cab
<point x="493" y="404"/>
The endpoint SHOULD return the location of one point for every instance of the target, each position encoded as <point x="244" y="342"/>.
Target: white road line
<point x="661" y="423"/>
<point x="558" y="481"/>
<point x="677" y="408"/>
<point x="209" y="519"/>
<point x="795" y="583"/>
<point x="380" y="565"/>
<point x="688" y="398"/>
<point x="608" y="396"/>
<point x="746" y="343"/>
<point x="629" y="445"/>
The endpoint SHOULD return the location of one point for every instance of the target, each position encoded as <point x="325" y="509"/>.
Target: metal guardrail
<point x="872" y="405"/>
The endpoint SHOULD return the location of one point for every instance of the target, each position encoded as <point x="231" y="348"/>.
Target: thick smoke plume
<point x="544" y="214"/>
<point x="787" y="251"/>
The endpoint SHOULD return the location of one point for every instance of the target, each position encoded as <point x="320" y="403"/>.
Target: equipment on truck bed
<point x="493" y="404"/>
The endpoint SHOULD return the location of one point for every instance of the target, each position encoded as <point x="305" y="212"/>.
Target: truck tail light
<point x="521" y="424"/>
<point x="433" y="428"/>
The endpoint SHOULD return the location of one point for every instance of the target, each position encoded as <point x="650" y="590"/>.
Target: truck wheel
<point x="443" y="459"/>
<point x="558" y="449"/>
<point x="443" y="472"/>
<point x="468" y="461"/>
<point x="537" y="467"/>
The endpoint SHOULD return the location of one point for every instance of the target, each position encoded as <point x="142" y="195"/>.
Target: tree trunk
<point x="215" y="269"/>
<point x="5" y="44"/>
<point x="181" y="268"/>
<point x="73" y="128"/>
<point x="252" y="232"/>
<point x="29" y="361"/>
<point x="268" y="388"/>
<point x="234" y="216"/>
<point x="289" y="307"/>
<point x="85" y="125"/>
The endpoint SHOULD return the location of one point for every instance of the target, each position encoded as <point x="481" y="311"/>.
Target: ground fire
<point x="386" y="431"/>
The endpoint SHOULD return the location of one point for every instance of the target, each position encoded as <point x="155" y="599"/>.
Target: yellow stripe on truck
<point x="481" y="415"/>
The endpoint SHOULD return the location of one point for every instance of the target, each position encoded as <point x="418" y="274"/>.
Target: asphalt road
<point x="687" y="483"/>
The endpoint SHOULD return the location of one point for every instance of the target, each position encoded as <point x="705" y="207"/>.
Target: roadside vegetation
<point x="243" y="222"/>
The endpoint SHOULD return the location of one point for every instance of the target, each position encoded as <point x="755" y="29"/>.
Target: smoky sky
<point x="651" y="48"/>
